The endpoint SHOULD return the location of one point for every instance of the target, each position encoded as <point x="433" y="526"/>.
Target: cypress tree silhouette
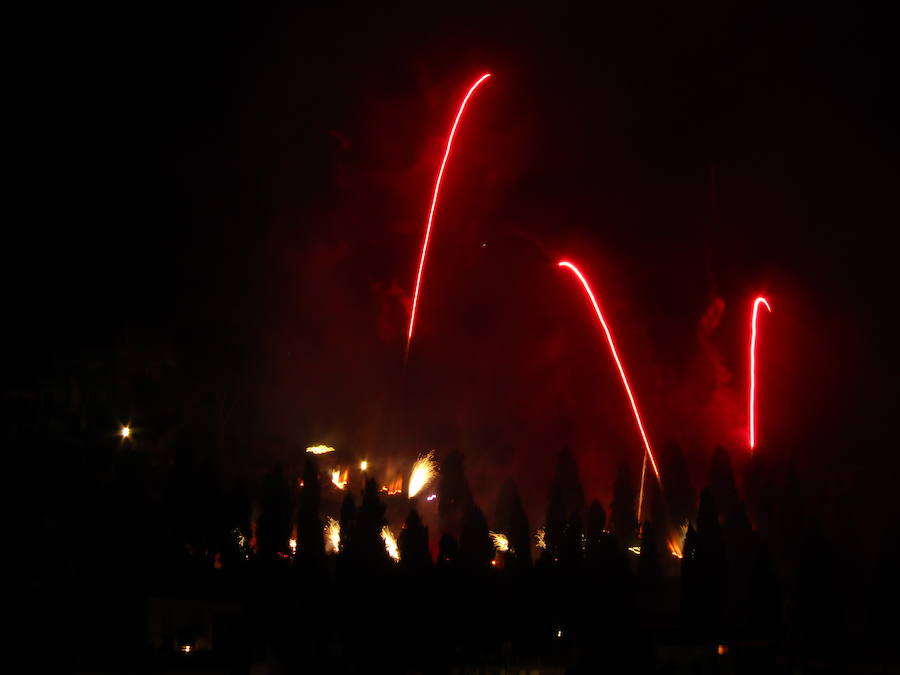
<point x="476" y="549"/>
<point x="519" y="535"/>
<point x="571" y="548"/>
<point x="368" y="546"/>
<point x="623" y="508"/>
<point x="448" y="552"/>
<point x="310" y="535"/>
<point x="648" y="569"/>
<point x="566" y="499"/>
<point x="710" y="564"/>
<point x="274" y="524"/>
<point x="415" y="557"/>
<point x="596" y="524"/>
<point x="676" y="479"/>
<point x="348" y="522"/>
<point x="721" y="481"/>
<point x="741" y="546"/>
<point x="454" y="496"/>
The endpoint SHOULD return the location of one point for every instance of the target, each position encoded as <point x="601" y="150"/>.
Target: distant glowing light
<point x="722" y="650"/>
<point x="615" y="355"/>
<point x="364" y="465"/>
<point x="539" y="539"/>
<point x="332" y="536"/>
<point x="501" y="543"/>
<point x="125" y="432"/>
<point x="185" y="648"/>
<point x="319" y="449"/>
<point x="390" y="543"/>
<point x="434" y="198"/>
<point x="423" y="472"/>
<point x="292" y="543"/>
<point x="752" y="396"/>
<point x="339" y="478"/>
<point x="430" y="498"/>
<point x="635" y="549"/>
<point x="559" y="633"/>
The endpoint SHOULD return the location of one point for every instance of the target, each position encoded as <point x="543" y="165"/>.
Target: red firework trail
<point x="760" y="300"/>
<point x="615" y="355"/>
<point x="434" y="198"/>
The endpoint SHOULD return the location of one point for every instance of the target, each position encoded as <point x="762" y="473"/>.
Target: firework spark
<point x="332" y="536"/>
<point x="423" y="472"/>
<point x="390" y="543"/>
<point x="434" y="198"/>
<point x="539" y="539"/>
<point x="615" y="355"/>
<point x="319" y="449"/>
<point x="752" y="396"/>
<point x="501" y="543"/>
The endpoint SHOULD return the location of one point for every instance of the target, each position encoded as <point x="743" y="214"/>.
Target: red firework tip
<point x="434" y="198"/>
<point x="760" y="300"/>
<point x="615" y="355"/>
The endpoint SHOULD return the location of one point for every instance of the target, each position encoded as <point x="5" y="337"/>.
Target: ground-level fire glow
<point x="319" y="449"/>
<point x="364" y="465"/>
<point x="615" y="355"/>
<point x="292" y="543"/>
<point x="332" y="536"/>
<point x="751" y="398"/>
<point x="423" y="472"/>
<point x="339" y="478"/>
<point x="390" y="543"/>
<point x="539" y="539"/>
<point x="434" y="198"/>
<point x="501" y="543"/>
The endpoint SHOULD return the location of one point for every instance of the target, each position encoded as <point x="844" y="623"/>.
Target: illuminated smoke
<point x="752" y="395"/>
<point x="501" y="543"/>
<point x="319" y="449"/>
<point x="332" y="536"/>
<point x="615" y="355"/>
<point x="423" y="472"/>
<point x="434" y="198"/>
<point x="390" y="544"/>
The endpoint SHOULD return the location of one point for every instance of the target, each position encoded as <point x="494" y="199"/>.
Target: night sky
<point x="240" y="194"/>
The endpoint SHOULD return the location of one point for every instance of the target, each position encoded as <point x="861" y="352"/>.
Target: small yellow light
<point x="364" y="465"/>
<point x="722" y="650"/>
<point x="186" y="648"/>
<point x="125" y="431"/>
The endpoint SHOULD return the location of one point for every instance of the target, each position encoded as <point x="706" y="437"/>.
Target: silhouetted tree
<point x="274" y="525"/>
<point x="310" y="534"/>
<point x="648" y="565"/>
<point x="566" y="499"/>
<point x="518" y="532"/>
<point x="596" y="524"/>
<point x="710" y="561"/>
<point x="476" y="549"/>
<point x="368" y="546"/>
<point x="415" y="556"/>
<point x="571" y="548"/>
<point x="348" y="523"/>
<point x="721" y="480"/>
<point x="454" y="495"/>
<point x="448" y="552"/>
<point x="623" y="504"/>
<point x="741" y="546"/>
<point x="677" y="484"/>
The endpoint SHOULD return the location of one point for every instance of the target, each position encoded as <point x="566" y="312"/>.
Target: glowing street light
<point x="364" y="465"/>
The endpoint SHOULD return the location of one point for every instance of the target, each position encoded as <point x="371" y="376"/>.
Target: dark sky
<point x="245" y="189"/>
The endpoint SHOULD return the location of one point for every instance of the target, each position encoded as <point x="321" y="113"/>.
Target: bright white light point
<point x="293" y="544"/>
<point x="431" y="498"/>
<point x="363" y="465"/>
<point x="559" y="633"/>
<point x="125" y="432"/>
<point x="319" y="449"/>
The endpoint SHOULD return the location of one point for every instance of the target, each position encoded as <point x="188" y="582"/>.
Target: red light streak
<point x="615" y="355"/>
<point x="760" y="300"/>
<point x="434" y="198"/>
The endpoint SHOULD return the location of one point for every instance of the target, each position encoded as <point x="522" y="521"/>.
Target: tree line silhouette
<point x="745" y="570"/>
